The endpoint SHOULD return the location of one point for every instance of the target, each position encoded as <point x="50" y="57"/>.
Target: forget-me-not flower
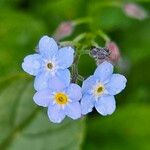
<point x="50" y="64"/>
<point x="61" y="102"/>
<point x="99" y="90"/>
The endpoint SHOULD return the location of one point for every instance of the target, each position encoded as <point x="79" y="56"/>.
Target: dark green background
<point x="23" y="125"/>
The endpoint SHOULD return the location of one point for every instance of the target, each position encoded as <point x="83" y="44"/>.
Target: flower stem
<point x="74" y="70"/>
<point x="82" y="21"/>
<point x="103" y="35"/>
<point x="66" y="43"/>
<point x="111" y="4"/>
<point x="79" y="37"/>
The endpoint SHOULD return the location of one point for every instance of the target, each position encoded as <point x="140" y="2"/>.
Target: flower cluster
<point x="55" y="91"/>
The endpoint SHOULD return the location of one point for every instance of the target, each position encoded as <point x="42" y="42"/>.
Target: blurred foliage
<point x="128" y="128"/>
<point x="24" y="125"/>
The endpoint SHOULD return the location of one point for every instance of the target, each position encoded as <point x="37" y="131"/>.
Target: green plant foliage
<point x="25" y="126"/>
<point x="127" y="128"/>
<point x="18" y="33"/>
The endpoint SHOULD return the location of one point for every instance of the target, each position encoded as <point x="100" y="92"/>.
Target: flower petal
<point x="65" y="57"/>
<point x="32" y="64"/>
<point x="55" y="113"/>
<point x="73" y="110"/>
<point x="116" y="84"/>
<point x="41" y="81"/>
<point x="74" y="92"/>
<point x="106" y="105"/>
<point x="104" y="71"/>
<point x="47" y="47"/>
<point x="60" y="80"/>
<point x="87" y="84"/>
<point x="87" y="104"/>
<point x="43" y="98"/>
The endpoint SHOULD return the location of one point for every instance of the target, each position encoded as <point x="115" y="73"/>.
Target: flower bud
<point x="100" y="54"/>
<point x="114" y="52"/>
<point x="64" y="29"/>
<point x="134" y="11"/>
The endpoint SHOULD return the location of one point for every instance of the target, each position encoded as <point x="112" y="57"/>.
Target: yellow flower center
<point x="99" y="90"/>
<point x="49" y="65"/>
<point x="61" y="98"/>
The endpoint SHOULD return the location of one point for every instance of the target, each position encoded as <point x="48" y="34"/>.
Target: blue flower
<point x="99" y="90"/>
<point x="61" y="102"/>
<point x="50" y="64"/>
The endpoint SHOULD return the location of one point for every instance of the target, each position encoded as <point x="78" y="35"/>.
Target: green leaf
<point x="19" y="34"/>
<point x="55" y="11"/>
<point x="136" y="44"/>
<point x="138" y="84"/>
<point x="127" y="128"/>
<point x="23" y="124"/>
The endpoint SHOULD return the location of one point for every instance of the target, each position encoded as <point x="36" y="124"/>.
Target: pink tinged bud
<point x="65" y="29"/>
<point x="135" y="11"/>
<point x="114" y="52"/>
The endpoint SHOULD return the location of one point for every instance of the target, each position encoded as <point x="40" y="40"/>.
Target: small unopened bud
<point x="63" y="30"/>
<point x="93" y="51"/>
<point x="100" y="54"/>
<point x="114" y="52"/>
<point x="135" y="11"/>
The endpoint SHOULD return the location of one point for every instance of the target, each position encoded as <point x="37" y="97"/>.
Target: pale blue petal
<point x="87" y="84"/>
<point x="73" y="110"/>
<point x="55" y="113"/>
<point x="43" y="98"/>
<point x="60" y="81"/>
<point x="87" y="104"/>
<point x="74" y="92"/>
<point x="65" y="57"/>
<point x="104" y="71"/>
<point x="48" y="47"/>
<point x="32" y="64"/>
<point x="106" y="105"/>
<point x="116" y="84"/>
<point x="41" y="81"/>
